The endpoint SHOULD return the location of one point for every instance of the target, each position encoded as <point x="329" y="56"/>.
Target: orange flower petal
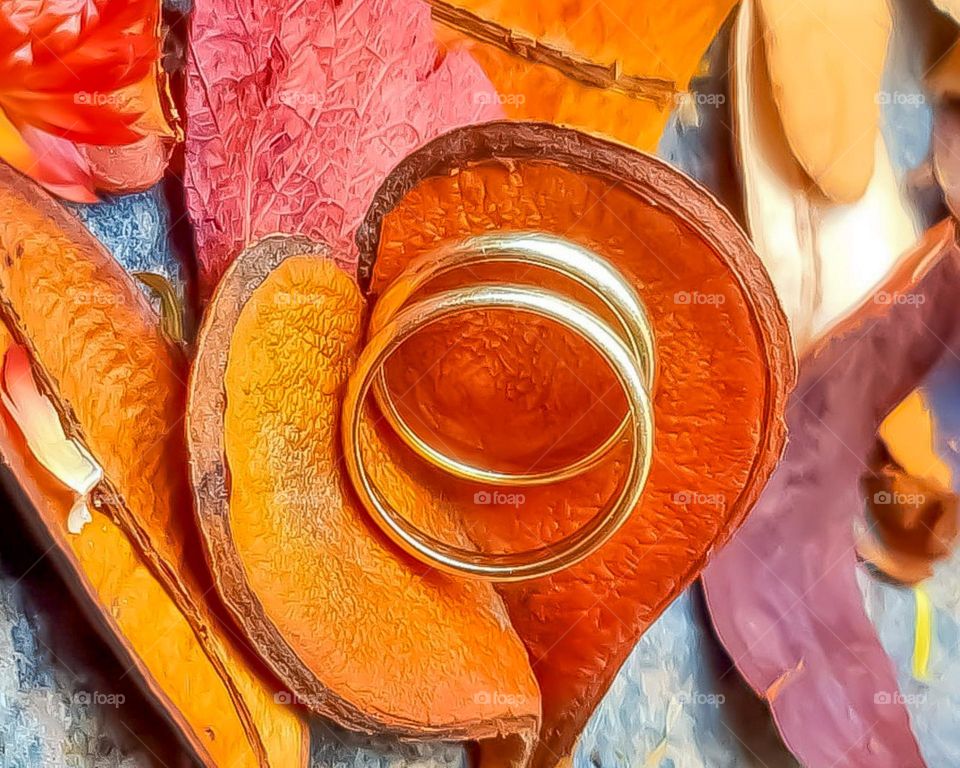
<point x="13" y="148"/>
<point x="148" y="103"/>
<point x="87" y="73"/>
<point x="91" y="117"/>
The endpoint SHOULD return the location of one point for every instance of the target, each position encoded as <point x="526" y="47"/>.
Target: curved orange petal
<point x="86" y="72"/>
<point x="91" y="117"/>
<point x="146" y="98"/>
<point x="63" y="46"/>
<point x="13" y="148"/>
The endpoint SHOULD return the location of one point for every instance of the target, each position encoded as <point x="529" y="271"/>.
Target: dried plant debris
<point x="825" y="62"/>
<point x="950" y="7"/>
<point x="823" y="257"/>
<point x="911" y="525"/>
<point x="616" y="68"/>
<point x="99" y="355"/>
<point x="360" y="633"/>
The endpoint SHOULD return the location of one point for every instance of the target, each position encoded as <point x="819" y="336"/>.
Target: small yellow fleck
<point x="922" y="633"/>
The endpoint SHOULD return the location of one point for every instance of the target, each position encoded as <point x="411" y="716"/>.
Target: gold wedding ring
<point x="629" y="354"/>
<point x="535" y="250"/>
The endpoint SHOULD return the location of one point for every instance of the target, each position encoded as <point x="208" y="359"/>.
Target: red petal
<point x="59" y="166"/>
<point x="87" y="117"/>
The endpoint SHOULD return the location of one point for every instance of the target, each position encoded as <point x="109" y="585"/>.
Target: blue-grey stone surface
<point x="332" y="747"/>
<point x="45" y="717"/>
<point x="677" y="702"/>
<point x="136" y="229"/>
<point x="933" y="699"/>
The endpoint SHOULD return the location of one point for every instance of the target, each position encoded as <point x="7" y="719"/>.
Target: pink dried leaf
<point x="298" y="110"/>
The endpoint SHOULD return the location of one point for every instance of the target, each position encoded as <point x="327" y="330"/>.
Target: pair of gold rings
<point x="629" y="353"/>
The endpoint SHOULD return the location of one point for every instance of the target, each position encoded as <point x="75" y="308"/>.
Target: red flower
<point x="76" y="72"/>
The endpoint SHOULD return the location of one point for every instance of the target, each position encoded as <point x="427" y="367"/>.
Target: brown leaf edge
<point x="608" y="77"/>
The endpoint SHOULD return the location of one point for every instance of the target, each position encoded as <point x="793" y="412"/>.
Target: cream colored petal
<point x="39" y="422"/>
<point x="824" y="258"/>
<point x="825" y="60"/>
<point x="949" y="7"/>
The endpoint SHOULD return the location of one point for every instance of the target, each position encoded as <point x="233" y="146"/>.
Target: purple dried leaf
<point x="783" y="594"/>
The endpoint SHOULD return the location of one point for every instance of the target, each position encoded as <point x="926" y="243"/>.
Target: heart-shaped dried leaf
<point x="521" y="389"/>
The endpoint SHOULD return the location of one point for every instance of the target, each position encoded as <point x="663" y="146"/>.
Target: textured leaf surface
<point x="361" y="633"/>
<point x="298" y="110"/>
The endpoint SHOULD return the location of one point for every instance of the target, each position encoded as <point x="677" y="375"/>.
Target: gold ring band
<point x="515" y="566"/>
<point x="582" y="266"/>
